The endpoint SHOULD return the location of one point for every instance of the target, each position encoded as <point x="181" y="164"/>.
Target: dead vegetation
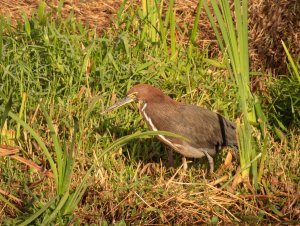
<point x="269" y="23"/>
<point x="195" y="197"/>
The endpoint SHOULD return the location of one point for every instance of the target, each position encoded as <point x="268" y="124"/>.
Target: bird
<point x="206" y="132"/>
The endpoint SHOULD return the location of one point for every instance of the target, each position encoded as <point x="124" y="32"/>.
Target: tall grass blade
<point x="194" y="29"/>
<point x="70" y="156"/>
<point x="234" y="40"/>
<point x="125" y="139"/>
<point x="291" y="61"/>
<point x="59" y="206"/>
<point x="121" y="10"/>
<point x="41" y="12"/>
<point x="112" y="60"/>
<point x="59" y="6"/>
<point x="263" y="159"/>
<point x="6" y="110"/>
<point x="57" y="149"/>
<point x="39" y="212"/>
<point x="7" y="202"/>
<point x="75" y="198"/>
<point x="152" y="15"/>
<point x="219" y="38"/>
<point x="40" y="143"/>
<point x="1" y="36"/>
<point x="168" y="13"/>
<point x="27" y="25"/>
<point x="24" y="95"/>
<point x="172" y="34"/>
<point x="86" y="60"/>
<point x="162" y="30"/>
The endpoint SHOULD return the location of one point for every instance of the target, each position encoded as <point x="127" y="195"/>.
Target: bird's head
<point x="141" y="93"/>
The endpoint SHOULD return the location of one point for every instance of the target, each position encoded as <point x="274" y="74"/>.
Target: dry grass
<point x="139" y="192"/>
<point x="271" y="22"/>
<point x="171" y="196"/>
<point x="95" y="13"/>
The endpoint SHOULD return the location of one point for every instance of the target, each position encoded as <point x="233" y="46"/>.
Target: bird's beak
<point x="125" y="100"/>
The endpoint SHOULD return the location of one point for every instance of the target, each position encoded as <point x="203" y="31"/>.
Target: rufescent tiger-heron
<point x="206" y="131"/>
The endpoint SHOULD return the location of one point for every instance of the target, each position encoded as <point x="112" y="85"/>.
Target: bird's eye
<point x="133" y="95"/>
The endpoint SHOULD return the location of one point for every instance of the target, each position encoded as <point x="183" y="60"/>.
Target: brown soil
<point x="95" y="13"/>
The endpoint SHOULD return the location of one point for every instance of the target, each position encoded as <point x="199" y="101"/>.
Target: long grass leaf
<point x="291" y="61"/>
<point x="234" y="41"/>
<point x="194" y="29"/>
<point x="59" y="206"/>
<point x="71" y="156"/>
<point x="39" y="212"/>
<point x="233" y="44"/>
<point x="263" y="159"/>
<point x="152" y="18"/>
<point x="85" y="61"/>
<point x="7" y="202"/>
<point x="27" y="25"/>
<point x="57" y="149"/>
<point x="168" y="13"/>
<point x="172" y="34"/>
<point x="214" y="26"/>
<point x="6" y="110"/>
<point x="79" y="192"/>
<point x="162" y="30"/>
<point x="218" y="36"/>
<point x="112" y="60"/>
<point x="1" y="37"/>
<point x="40" y="142"/>
<point x="121" y="10"/>
<point x="24" y="95"/>
<point x="245" y="42"/>
<point x="125" y="139"/>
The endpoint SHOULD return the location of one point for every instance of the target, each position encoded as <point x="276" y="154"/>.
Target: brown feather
<point x="203" y="128"/>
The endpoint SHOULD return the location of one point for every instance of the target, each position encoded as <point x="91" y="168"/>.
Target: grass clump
<point x="77" y="73"/>
<point x="285" y="109"/>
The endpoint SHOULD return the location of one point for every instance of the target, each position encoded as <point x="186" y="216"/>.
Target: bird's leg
<point x="211" y="162"/>
<point x="185" y="166"/>
<point x="170" y="158"/>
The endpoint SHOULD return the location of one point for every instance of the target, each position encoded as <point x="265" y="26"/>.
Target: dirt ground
<point x="96" y="13"/>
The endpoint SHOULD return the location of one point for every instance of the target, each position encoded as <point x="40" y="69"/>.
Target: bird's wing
<point x="199" y="125"/>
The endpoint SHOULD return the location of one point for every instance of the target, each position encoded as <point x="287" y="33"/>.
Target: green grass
<point x="233" y="42"/>
<point x="58" y="63"/>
